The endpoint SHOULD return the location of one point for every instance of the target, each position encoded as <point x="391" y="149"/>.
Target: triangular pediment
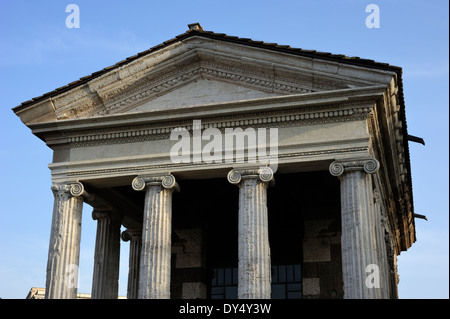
<point x="198" y="92"/>
<point x="193" y="71"/>
<point x="204" y="81"/>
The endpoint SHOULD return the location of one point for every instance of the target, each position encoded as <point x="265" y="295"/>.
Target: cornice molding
<point x="285" y="118"/>
<point x="292" y="110"/>
<point x="302" y="102"/>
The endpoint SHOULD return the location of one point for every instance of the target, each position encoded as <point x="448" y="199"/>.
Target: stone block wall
<point x="188" y="265"/>
<point x="322" y="267"/>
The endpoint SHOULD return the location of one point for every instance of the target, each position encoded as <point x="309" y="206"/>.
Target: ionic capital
<point x="102" y="213"/>
<point x="264" y="174"/>
<point x="167" y="181"/>
<point x="129" y="234"/>
<point x="74" y="189"/>
<point x="370" y="166"/>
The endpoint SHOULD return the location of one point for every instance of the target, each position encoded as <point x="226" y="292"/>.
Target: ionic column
<point x="135" y="238"/>
<point x="154" y="273"/>
<point x="105" y="281"/>
<point x="380" y="232"/>
<point x="254" y="268"/>
<point x="358" y="238"/>
<point x="65" y="236"/>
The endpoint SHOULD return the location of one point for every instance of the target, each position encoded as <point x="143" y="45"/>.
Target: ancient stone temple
<point x="239" y="169"/>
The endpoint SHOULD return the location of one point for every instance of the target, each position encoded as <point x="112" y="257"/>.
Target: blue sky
<point x="38" y="53"/>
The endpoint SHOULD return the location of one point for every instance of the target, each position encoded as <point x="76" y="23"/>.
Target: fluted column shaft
<point x="135" y="238"/>
<point x="154" y="274"/>
<point x="64" y="247"/>
<point x="105" y="282"/>
<point x="379" y="229"/>
<point x="254" y="267"/>
<point x="358" y="242"/>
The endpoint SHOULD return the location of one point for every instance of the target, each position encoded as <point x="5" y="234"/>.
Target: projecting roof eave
<point x="315" y="99"/>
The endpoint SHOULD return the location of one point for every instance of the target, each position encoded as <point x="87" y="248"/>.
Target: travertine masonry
<point x="358" y="240"/>
<point x="135" y="238"/>
<point x="254" y="250"/>
<point x="154" y="274"/>
<point x="64" y="248"/>
<point x="189" y="273"/>
<point x="105" y="280"/>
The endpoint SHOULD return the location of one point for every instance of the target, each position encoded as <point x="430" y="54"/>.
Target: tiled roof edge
<point x="222" y="37"/>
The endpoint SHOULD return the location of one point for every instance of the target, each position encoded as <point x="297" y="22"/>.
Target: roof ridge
<point x="197" y="29"/>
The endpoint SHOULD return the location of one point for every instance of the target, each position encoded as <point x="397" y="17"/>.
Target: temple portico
<point x="239" y="169"/>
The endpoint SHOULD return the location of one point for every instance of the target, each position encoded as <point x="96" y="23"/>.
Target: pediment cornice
<point x="154" y="75"/>
<point x="305" y="109"/>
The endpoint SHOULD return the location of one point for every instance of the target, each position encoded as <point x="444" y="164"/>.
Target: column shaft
<point x="105" y="282"/>
<point x="358" y="242"/>
<point x="135" y="238"/>
<point x="380" y="230"/>
<point x="64" y="247"/>
<point x="154" y="274"/>
<point x="254" y="267"/>
<point x="356" y="249"/>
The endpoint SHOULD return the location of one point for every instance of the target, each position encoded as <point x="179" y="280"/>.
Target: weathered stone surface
<point x="64" y="248"/>
<point x="155" y="265"/>
<point x="316" y="249"/>
<point x="135" y="238"/>
<point x="311" y="286"/>
<point x="193" y="290"/>
<point x="105" y="280"/>
<point x="190" y="249"/>
<point x="358" y="241"/>
<point x="189" y="273"/>
<point x="254" y="250"/>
